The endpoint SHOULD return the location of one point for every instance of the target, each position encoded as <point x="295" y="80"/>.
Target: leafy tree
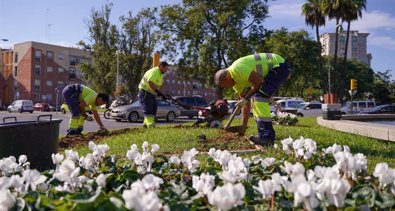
<point x="205" y="35"/>
<point x="102" y="46"/>
<point x="300" y="50"/>
<point x="353" y="11"/>
<point x="137" y="42"/>
<point x="334" y="9"/>
<point x="314" y="16"/>
<point x="383" y="88"/>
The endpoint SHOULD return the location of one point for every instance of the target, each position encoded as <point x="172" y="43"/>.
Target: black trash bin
<point x="35" y="139"/>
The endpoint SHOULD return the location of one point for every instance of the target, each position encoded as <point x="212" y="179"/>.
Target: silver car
<point x="133" y="112"/>
<point x="21" y="106"/>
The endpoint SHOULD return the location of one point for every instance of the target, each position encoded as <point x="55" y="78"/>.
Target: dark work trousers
<point x="71" y="94"/>
<point x="273" y="81"/>
<point x="148" y="101"/>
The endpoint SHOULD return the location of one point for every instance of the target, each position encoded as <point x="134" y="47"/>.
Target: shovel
<point x="234" y="129"/>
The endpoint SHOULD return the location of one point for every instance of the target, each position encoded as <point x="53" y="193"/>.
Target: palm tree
<point x="334" y="9"/>
<point x="353" y="11"/>
<point x="314" y="16"/>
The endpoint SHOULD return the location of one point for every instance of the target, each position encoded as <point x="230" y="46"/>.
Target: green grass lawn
<point x="177" y="139"/>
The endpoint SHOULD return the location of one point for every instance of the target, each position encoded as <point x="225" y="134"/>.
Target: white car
<point x="309" y="109"/>
<point x="21" y="106"/>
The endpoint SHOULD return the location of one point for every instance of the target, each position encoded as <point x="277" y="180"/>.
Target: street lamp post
<point x="117" y="69"/>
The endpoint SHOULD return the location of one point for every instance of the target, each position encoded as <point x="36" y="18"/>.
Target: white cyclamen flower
<point x="154" y="148"/>
<point x="385" y="174"/>
<point x="174" y="159"/>
<point x="7" y="200"/>
<point x="227" y="196"/>
<point x="33" y="178"/>
<point x="57" y="158"/>
<point x="267" y="188"/>
<point x="101" y="180"/>
<point x="72" y="155"/>
<point x="148" y="201"/>
<point x="188" y="159"/>
<point x="203" y="183"/>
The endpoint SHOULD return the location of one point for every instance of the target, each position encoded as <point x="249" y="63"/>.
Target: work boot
<point x="261" y="141"/>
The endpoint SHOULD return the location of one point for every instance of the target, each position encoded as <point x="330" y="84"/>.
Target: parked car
<point x="381" y="109"/>
<point x="64" y="108"/>
<point x="133" y="112"/>
<point x="309" y="109"/>
<point x="358" y="107"/>
<point x="289" y="105"/>
<point x="21" y="106"/>
<point x="41" y="107"/>
<point x="191" y="101"/>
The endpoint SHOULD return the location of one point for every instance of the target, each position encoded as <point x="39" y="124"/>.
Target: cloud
<point x="386" y="42"/>
<point x="374" y="20"/>
<point x="286" y="11"/>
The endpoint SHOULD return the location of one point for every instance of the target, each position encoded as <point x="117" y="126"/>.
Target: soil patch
<point x="74" y="141"/>
<point x="226" y="141"/>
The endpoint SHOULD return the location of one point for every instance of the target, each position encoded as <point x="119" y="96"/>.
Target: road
<point x="88" y="127"/>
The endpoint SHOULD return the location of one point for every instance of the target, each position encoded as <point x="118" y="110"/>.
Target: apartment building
<point x="175" y="85"/>
<point x="39" y="68"/>
<point x="6" y="76"/>
<point x="357" y="46"/>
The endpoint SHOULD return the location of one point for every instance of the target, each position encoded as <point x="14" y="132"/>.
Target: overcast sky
<point x="64" y="22"/>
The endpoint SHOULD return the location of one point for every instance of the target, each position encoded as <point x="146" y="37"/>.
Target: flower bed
<point x="284" y="118"/>
<point x="304" y="178"/>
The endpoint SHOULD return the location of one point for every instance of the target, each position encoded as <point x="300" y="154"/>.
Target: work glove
<point x="89" y="118"/>
<point x="241" y="103"/>
<point x="158" y="93"/>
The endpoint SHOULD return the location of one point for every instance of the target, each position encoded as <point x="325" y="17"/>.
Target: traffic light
<point x="353" y="84"/>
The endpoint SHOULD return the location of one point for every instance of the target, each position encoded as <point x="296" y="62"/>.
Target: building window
<point x="37" y="70"/>
<point x="49" y="97"/>
<point x="50" y="55"/>
<point x="60" y="84"/>
<point x="60" y="69"/>
<point x="37" y="85"/>
<point x="16" y="57"/>
<point x="49" y="83"/>
<point x="61" y="56"/>
<point x="73" y="60"/>
<point x="15" y="71"/>
<point x="36" y="96"/>
<point x="37" y="55"/>
<point x="49" y="69"/>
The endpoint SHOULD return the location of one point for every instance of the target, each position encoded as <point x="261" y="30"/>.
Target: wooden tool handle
<point x="232" y="117"/>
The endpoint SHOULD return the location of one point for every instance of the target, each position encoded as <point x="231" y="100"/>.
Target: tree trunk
<point x="323" y="81"/>
<point x="344" y="69"/>
<point x="334" y="90"/>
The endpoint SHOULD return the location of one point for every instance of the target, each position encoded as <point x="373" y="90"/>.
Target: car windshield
<point x="301" y="106"/>
<point x="377" y="108"/>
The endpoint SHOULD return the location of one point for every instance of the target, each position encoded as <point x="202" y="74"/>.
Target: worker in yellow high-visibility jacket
<point x="77" y="97"/>
<point x="258" y="77"/>
<point x="148" y="90"/>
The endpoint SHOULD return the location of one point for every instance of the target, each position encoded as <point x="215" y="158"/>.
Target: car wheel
<point x="133" y="117"/>
<point x="238" y="112"/>
<point x="9" y="110"/>
<point x="107" y="114"/>
<point x="190" y="116"/>
<point x="300" y="115"/>
<point x="118" y="120"/>
<point x="63" y="111"/>
<point x="171" y="116"/>
<point x="31" y="112"/>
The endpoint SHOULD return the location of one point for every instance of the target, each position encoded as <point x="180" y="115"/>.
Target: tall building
<point x="39" y="68"/>
<point x="357" y="46"/>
